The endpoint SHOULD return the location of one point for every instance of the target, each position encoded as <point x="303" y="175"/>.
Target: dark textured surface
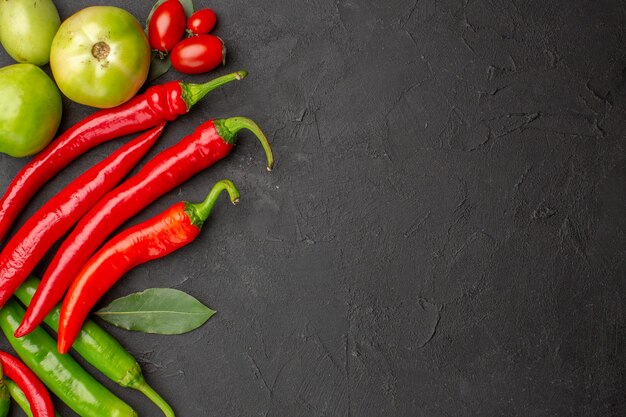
<point x="444" y="232"/>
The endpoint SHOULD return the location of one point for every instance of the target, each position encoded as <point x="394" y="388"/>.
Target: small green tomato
<point x="100" y="56"/>
<point x="30" y="109"/>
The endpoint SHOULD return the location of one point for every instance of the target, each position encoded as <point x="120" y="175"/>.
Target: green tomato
<point x="30" y="109"/>
<point x="27" y="28"/>
<point x="100" y="56"/>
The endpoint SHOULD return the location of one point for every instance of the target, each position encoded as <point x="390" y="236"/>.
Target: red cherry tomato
<point x="198" y="54"/>
<point x="167" y="25"/>
<point x="201" y="22"/>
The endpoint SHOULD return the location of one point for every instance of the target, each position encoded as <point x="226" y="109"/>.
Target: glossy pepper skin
<point x="5" y="397"/>
<point x="31" y="242"/>
<point x="36" y="393"/>
<point x="20" y="398"/>
<point x="159" y="236"/>
<point x="60" y="373"/>
<point x="101" y="350"/>
<point x="211" y="141"/>
<point x="158" y="104"/>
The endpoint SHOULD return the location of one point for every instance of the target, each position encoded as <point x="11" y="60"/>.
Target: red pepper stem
<point x="192" y="93"/>
<point x="228" y="129"/>
<point x="199" y="212"/>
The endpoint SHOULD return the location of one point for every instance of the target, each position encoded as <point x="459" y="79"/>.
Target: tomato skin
<point x="198" y="54"/>
<point x="167" y="25"/>
<point x="30" y="109"/>
<point x="100" y="56"/>
<point x="27" y="29"/>
<point x="202" y="22"/>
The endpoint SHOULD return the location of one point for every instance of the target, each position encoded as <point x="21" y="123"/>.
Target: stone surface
<point x="444" y="231"/>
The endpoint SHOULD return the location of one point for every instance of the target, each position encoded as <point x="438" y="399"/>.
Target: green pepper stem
<point x="199" y="212"/>
<point x="143" y="387"/>
<point x="192" y="93"/>
<point x="228" y="129"/>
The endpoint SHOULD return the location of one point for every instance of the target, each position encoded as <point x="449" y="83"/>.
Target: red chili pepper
<point x="211" y="142"/>
<point x="159" y="236"/>
<point x="22" y="253"/>
<point x="158" y="104"/>
<point x="36" y="392"/>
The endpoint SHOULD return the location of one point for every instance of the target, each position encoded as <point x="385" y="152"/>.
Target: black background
<point x="443" y="234"/>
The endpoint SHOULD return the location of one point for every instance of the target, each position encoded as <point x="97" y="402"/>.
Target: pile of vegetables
<point x="100" y="57"/>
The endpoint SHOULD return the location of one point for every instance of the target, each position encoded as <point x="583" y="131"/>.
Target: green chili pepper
<point x="5" y="398"/>
<point x="101" y="350"/>
<point x="20" y="398"/>
<point x="60" y="373"/>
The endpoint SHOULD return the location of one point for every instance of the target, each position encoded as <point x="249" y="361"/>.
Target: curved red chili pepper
<point x="36" y="392"/>
<point x="159" y="236"/>
<point x="211" y="142"/>
<point x="31" y="242"/>
<point x="158" y="104"/>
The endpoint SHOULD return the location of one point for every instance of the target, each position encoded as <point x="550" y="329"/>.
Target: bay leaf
<point x="157" y="310"/>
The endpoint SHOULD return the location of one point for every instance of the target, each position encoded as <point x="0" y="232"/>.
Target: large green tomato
<point x="30" y="109"/>
<point x="27" y="28"/>
<point x="100" y="56"/>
